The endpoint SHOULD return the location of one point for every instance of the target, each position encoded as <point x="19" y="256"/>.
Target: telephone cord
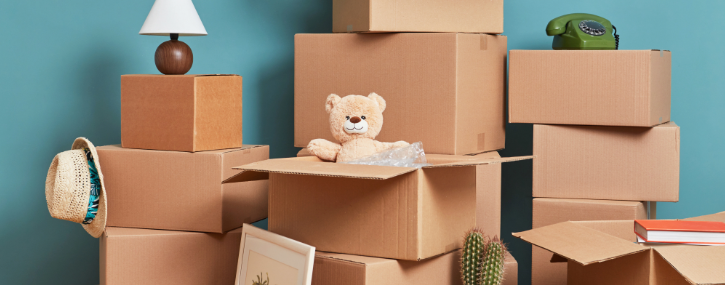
<point x="616" y="38"/>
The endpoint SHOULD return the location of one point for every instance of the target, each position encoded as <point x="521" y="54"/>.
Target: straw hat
<point x="69" y="184"/>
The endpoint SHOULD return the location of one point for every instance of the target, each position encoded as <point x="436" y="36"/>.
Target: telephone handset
<point x="583" y="31"/>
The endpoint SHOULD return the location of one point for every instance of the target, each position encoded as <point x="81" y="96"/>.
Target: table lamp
<point x="173" y="18"/>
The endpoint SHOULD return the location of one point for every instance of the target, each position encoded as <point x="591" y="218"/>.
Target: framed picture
<point x="267" y="258"/>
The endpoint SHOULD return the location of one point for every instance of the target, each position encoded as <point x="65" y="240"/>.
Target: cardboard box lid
<point x="579" y="243"/>
<point x="698" y="264"/>
<point x="180" y="75"/>
<point x="717" y="217"/>
<point x="308" y="166"/>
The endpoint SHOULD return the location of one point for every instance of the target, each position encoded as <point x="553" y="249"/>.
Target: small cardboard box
<point x="604" y="252"/>
<point x="464" y="16"/>
<point x="338" y="269"/>
<point x="580" y="87"/>
<point x="444" y="89"/>
<point x="382" y="211"/>
<point x="488" y="191"/>
<point x="181" y="190"/>
<point x="548" y="211"/>
<point x="181" y="112"/>
<point x="153" y="257"/>
<point x="610" y="163"/>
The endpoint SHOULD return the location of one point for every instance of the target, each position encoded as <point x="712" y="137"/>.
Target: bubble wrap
<point x="409" y="156"/>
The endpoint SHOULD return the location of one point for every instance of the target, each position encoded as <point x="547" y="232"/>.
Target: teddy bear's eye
<point x="362" y="117"/>
<point x="347" y="117"/>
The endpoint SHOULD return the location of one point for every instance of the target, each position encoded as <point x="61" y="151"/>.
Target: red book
<point x="692" y="232"/>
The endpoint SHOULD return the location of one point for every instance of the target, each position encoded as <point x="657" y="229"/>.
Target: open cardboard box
<point x="382" y="211"/>
<point x="602" y="252"/>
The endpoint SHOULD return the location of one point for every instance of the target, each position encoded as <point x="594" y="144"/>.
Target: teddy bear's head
<point x="355" y="116"/>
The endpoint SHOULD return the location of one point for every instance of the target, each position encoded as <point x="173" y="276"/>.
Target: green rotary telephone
<point x="581" y="31"/>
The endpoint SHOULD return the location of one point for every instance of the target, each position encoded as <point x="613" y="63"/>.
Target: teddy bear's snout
<point x="355" y="120"/>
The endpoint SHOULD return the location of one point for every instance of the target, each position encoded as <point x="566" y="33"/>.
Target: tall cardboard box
<point x="470" y="16"/>
<point x="488" y="191"/>
<point x="156" y="257"/>
<point x="609" y="163"/>
<point x="444" y="89"/>
<point x="604" y="252"/>
<point x="181" y="190"/>
<point x="590" y="87"/>
<point x="181" y="112"/>
<point x="382" y="211"/>
<point x="338" y="269"/>
<point x="548" y="211"/>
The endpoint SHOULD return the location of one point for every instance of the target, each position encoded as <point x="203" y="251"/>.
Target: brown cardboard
<point x="156" y="257"/>
<point x="471" y="16"/>
<point x="488" y="190"/>
<point x="336" y="269"/>
<point x="444" y="89"/>
<point x="598" y="257"/>
<point x="181" y="190"/>
<point x="181" y="112"/>
<point x="391" y="212"/>
<point x="579" y="87"/>
<point x="610" y="163"/>
<point x="547" y="211"/>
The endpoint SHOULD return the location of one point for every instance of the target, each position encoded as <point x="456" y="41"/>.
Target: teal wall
<point x="61" y="61"/>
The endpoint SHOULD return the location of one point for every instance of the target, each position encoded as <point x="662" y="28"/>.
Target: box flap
<point x="579" y="243"/>
<point x="698" y="264"/>
<point x="303" y="167"/>
<point x="718" y="217"/>
<point x="481" y="161"/>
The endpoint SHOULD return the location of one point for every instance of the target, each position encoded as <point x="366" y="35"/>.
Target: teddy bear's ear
<point x="331" y="102"/>
<point x="379" y="100"/>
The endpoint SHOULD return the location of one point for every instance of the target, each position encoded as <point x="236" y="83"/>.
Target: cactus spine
<point x="473" y="246"/>
<point x="493" y="262"/>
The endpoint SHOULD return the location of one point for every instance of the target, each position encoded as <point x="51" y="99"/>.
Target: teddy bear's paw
<point x="400" y="144"/>
<point x="323" y="149"/>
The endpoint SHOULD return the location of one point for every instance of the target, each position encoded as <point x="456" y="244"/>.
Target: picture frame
<point x="288" y="261"/>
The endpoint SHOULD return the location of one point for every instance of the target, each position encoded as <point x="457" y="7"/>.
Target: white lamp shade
<point x="173" y="17"/>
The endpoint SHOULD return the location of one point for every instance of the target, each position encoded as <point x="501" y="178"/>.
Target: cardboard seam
<point x="325" y="175"/>
<point x="675" y="268"/>
<point x="196" y="104"/>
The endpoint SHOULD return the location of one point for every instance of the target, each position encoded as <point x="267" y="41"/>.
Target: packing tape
<point x="349" y="28"/>
<point x="481" y="141"/>
<point x="484" y="42"/>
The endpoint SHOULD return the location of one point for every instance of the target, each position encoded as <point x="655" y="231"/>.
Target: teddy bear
<point x="355" y="121"/>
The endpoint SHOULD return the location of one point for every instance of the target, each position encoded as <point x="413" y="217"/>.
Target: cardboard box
<point x="590" y="87"/>
<point x="469" y="16"/>
<point x="337" y="269"/>
<point x="604" y="252"/>
<point x="156" y="257"/>
<point x="382" y="211"/>
<point x="548" y="211"/>
<point x="610" y="163"/>
<point x="181" y="190"/>
<point x="488" y="191"/>
<point x="181" y="112"/>
<point x="444" y="89"/>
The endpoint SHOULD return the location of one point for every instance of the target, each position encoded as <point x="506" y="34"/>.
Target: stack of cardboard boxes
<point x="441" y="69"/>
<point x="603" y="140"/>
<point x="170" y="218"/>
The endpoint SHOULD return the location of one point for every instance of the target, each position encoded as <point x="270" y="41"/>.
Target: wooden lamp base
<point x="174" y="57"/>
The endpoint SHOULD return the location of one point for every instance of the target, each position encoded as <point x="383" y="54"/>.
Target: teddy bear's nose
<point x="355" y="120"/>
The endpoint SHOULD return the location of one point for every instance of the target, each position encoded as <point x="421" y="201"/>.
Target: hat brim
<point x="98" y="226"/>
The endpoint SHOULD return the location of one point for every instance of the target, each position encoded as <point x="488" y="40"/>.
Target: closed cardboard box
<point x="156" y="257"/>
<point x="444" y="89"/>
<point x="488" y="191"/>
<point x="181" y="190"/>
<point x="470" y="16"/>
<point x="382" y="211"/>
<point x="548" y="211"/>
<point x="610" y="163"/>
<point x="604" y="252"/>
<point x="339" y="269"/>
<point x="181" y="112"/>
<point x="595" y="87"/>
